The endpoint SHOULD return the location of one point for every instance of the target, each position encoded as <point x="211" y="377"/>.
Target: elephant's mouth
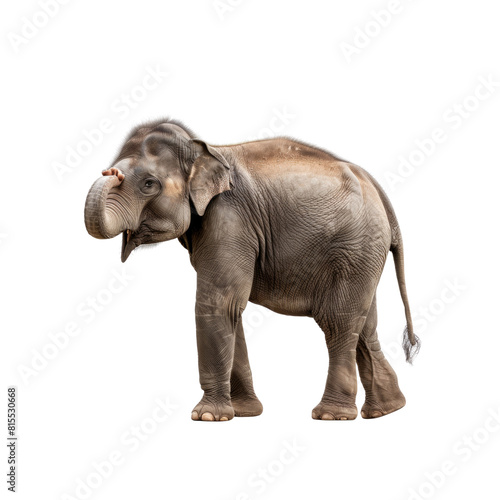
<point x="145" y="234"/>
<point x="128" y="244"/>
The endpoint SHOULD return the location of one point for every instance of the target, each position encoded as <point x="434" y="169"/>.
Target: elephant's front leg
<point x="215" y="337"/>
<point x="220" y="299"/>
<point x="243" y="399"/>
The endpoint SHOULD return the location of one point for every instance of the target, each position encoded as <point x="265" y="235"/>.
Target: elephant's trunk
<point x="105" y="217"/>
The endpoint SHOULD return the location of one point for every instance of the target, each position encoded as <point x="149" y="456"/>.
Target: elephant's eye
<point x="150" y="186"/>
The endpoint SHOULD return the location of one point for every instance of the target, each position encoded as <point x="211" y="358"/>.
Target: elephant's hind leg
<point x="383" y="395"/>
<point x="243" y="398"/>
<point x="342" y="319"/>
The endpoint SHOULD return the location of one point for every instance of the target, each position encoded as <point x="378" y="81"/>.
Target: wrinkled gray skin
<point x="277" y="222"/>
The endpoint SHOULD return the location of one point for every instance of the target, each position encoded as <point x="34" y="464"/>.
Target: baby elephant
<point x="278" y="222"/>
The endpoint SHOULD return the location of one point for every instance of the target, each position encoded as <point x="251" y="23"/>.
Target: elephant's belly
<point x="290" y="308"/>
<point x="300" y="283"/>
<point x="283" y="296"/>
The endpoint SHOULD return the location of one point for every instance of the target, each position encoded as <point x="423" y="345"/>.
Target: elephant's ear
<point x="210" y="175"/>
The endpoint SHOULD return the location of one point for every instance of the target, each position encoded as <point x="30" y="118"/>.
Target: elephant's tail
<point x="411" y="343"/>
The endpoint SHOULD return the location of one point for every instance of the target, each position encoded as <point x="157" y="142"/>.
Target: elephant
<point x="277" y="222"/>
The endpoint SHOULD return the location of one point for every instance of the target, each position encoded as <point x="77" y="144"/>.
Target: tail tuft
<point x="410" y="349"/>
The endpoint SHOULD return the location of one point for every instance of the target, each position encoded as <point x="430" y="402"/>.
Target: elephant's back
<point x="283" y="156"/>
<point x="299" y="168"/>
<point x="305" y="175"/>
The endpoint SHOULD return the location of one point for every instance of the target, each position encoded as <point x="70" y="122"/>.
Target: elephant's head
<point x="147" y="194"/>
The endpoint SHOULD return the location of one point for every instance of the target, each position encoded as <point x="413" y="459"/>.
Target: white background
<point x="229" y="73"/>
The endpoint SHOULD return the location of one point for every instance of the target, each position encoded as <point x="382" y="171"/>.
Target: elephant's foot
<point x="377" y="408"/>
<point x="383" y="395"/>
<point x="210" y="411"/>
<point x="331" y="411"/>
<point x="246" y="406"/>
